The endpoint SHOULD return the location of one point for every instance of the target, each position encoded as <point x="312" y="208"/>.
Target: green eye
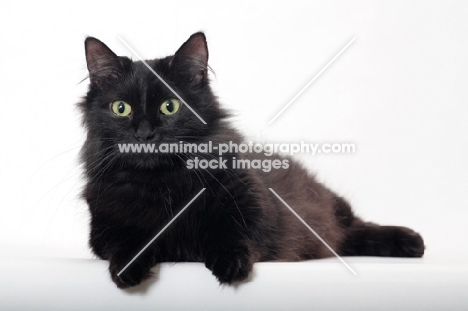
<point x="170" y="106"/>
<point x="121" y="108"/>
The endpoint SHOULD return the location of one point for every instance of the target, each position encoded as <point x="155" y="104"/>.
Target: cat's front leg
<point x="232" y="241"/>
<point x="229" y="263"/>
<point x="137" y="272"/>
<point x="119" y="247"/>
<point x="230" y="251"/>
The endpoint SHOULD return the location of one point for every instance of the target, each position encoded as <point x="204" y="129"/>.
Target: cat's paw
<point x="230" y="265"/>
<point x="136" y="273"/>
<point x="407" y="243"/>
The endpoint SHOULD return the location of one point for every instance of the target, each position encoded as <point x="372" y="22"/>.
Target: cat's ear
<point x="192" y="58"/>
<point x="102" y="63"/>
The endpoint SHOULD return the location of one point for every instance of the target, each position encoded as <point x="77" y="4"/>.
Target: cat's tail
<point x="368" y="239"/>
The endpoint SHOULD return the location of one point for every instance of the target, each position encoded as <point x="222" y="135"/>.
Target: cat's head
<point x="128" y="103"/>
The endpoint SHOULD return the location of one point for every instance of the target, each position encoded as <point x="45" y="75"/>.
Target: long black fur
<point x="236" y="221"/>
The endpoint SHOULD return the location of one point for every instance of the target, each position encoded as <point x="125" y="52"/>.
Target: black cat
<point x="236" y="221"/>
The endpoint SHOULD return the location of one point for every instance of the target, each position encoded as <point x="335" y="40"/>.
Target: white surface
<point x="398" y="93"/>
<point x="381" y="284"/>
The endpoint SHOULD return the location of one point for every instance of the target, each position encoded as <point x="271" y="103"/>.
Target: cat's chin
<point x="146" y="163"/>
<point x="150" y="162"/>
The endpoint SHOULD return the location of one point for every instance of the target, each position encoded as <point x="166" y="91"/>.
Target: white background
<point x="398" y="92"/>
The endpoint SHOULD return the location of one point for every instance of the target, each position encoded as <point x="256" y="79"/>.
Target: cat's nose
<point x="144" y="132"/>
<point x="144" y="136"/>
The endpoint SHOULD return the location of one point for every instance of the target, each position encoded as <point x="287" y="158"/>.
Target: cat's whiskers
<point x="228" y="170"/>
<point x="108" y="165"/>
<point x="66" y="195"/>
<point x="46" y="162"/>
<point x="188" y="137"/>
<point x="53" y="190"/>
<point x="99" y="159"/>
<point x="183" y="161"/>
<point x="195" y="170"/>
<point x="108" y="160"/>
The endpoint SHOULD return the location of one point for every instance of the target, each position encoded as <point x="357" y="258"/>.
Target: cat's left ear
<point x="192" y="58"/>
<point x="103" y="64"/>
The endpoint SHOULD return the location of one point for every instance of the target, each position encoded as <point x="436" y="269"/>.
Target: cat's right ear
<point x="103" y="64"/>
